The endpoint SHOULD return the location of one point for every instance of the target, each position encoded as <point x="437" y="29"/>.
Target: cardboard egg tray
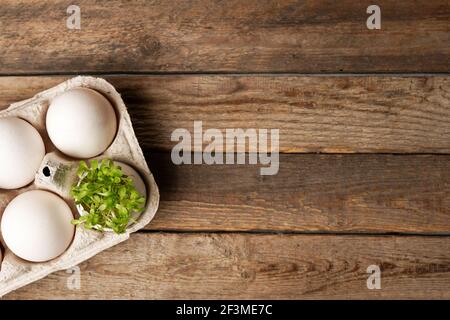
<point x="16" y="272"/>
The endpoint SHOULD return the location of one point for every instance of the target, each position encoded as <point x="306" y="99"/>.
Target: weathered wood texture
<point x="327" y="193"/>
<point x="230" y="36"/>
<point x="313" y="114"/>
<point x="365" y="193"/>
<point x="242" y="266"/>
<point x="332" y="193"/>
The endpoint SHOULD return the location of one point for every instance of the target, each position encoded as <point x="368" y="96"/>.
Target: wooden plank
<point x="224" y="36"/>
<point x="326" y="193"/>
<point x="244" y="266"/>
<point x="314" y="114"/>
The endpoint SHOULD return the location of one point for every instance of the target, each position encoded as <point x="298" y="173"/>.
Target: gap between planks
<point x="224" y="73"/>
<point x="293" y="232"/>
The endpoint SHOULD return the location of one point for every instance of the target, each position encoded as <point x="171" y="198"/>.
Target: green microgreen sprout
<point x="107" y="196"/>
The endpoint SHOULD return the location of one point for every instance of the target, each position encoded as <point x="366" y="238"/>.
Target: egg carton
<point x="16" y="272"/>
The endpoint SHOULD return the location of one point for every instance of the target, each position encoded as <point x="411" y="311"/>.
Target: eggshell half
<point x="21" y="152"/>
<point x="81" y="123"/>
<point x="135" y="176"/>
<point x="36" y="226"/>
<point x="138" y="184"/>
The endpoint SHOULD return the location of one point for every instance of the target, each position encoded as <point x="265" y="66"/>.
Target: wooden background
<point x="364" y="119"/>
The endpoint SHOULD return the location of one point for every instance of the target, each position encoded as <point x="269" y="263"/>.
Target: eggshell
<point x="81" y="123"/>
<point x="21" y="152"/>
<point x="135" y="176"/>
<point x="36" y="226"/>
<point x="138" y="184"/>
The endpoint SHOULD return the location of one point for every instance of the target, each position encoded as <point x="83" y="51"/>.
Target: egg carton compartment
<point x="16" y="272"/>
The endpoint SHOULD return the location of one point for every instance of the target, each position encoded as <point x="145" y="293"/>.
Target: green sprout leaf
<point x="107" y="196"/>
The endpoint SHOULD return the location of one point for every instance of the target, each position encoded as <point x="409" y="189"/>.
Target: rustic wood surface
<point x="309" y="68"/>
<point x="246" y="266"/>
<point x="224" y="36"/>
<point x="326" y="193"/>
<point x="314" y="114"/>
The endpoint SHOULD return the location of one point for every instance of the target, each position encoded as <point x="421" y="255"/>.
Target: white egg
<point x="21" y="153"/>
<point x="36" y="226"/>
<point x="81" y="123"/>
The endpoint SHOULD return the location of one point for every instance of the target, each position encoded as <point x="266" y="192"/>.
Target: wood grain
<point x="314" y="114"/>
<point x="344" y="196"/>
<point x="243" y="266"/>
<point x="325" y="193"/>
<point x="224" y="36"/>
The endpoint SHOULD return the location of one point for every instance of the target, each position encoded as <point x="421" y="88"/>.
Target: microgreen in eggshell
<point x="108" y="197"/>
